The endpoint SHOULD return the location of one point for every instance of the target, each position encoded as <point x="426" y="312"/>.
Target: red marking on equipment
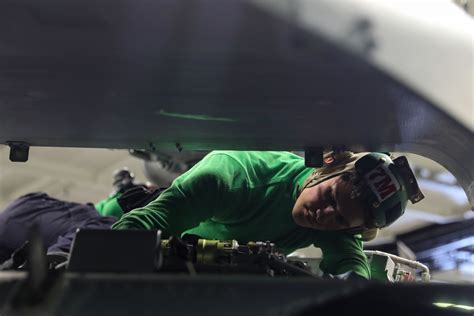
<point x="383" y="184"/>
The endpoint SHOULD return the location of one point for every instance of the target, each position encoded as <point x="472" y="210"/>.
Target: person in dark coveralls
<point x="58" y="220"/>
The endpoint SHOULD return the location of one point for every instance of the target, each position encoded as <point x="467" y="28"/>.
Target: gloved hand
<point x="17" y="259"/>
<point x="123" y="180"/>
<point x="181" y="249"/>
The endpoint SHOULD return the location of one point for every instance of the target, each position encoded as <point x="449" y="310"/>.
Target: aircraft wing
<point x="237" y="75"/>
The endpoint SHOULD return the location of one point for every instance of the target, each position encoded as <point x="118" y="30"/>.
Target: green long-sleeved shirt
<point x="245" y="196"/>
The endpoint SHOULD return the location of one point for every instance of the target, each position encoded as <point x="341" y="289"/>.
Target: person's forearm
<point x="142" y="218"/>
<point x="171" y="212"/>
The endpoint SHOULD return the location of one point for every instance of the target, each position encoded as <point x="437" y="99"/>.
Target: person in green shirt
<point x="250" y="196"/>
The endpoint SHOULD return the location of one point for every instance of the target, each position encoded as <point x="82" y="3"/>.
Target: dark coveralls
<point x="57" y="221"/>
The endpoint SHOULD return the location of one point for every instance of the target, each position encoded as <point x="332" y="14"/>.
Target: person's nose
<point x="328" y="210"/>
<point x="326" y="214"/>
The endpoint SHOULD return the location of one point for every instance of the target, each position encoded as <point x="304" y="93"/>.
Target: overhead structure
<point x="256" y="74"/>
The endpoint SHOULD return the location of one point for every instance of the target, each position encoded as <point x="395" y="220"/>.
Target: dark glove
<point x="17" y="259"/>
<point x="181" y="248"/>
<point x="123" y="180"/>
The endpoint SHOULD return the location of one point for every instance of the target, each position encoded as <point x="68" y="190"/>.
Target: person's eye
<point x="330" y="199"/>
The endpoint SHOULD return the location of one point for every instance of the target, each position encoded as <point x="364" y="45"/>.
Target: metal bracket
<point x="19" y="151"/>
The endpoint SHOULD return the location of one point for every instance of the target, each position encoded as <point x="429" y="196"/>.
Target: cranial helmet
<point x="383" y="185"/>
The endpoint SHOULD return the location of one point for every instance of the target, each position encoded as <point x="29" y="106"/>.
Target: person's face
<point x="328" y="206"/>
